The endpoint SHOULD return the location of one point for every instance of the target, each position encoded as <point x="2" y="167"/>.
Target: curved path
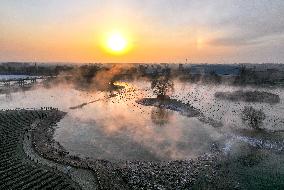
<point x="85" y="178"/>
<point x="16" y="170"/>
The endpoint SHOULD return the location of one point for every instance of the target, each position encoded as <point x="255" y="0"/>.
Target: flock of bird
<point x="199" y="96"/>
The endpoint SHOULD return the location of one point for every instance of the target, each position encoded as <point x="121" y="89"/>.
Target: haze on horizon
<point x="221" y="31"/>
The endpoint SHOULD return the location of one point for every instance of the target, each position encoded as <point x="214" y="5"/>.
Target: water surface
<point x="119" y="128"/>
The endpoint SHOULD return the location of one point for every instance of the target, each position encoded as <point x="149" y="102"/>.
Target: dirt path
<point x="85" y="178"/>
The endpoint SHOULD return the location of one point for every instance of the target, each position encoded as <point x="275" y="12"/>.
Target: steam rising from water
<point x="118" y="128"/>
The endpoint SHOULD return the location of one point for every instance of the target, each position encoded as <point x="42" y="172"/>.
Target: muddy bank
<point x="171" y="104"/>
<point x="209" y="171"/>
<point x="84" y="178"/>
<point x="122" y="174"/>
<point x="47" y="147"/>
<point x="249" y="96"/>
<point x="184" y="174"/>
<point x="18" y="169"/>
<point x="184" y="109"/>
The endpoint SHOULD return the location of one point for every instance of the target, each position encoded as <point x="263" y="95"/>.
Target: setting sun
<point x="116" y="43"/>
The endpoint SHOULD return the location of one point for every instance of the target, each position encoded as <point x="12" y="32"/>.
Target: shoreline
<point x="83" y="177"/>
<point x="18" y="171"/>
<point x="184" y="109"/>
<point x="249" y="96"/>
<point x="119" y="174"/>
<point x="112" y="174"/>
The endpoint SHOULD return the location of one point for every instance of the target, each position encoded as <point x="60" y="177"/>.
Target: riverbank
<point x="17" y="170"/>
<point x="85" y="178"/>
<point x="117" y="174"/>
<point x="214" y="170"/>
<point x="184" y="109"/>
<point x="249" y="96"/>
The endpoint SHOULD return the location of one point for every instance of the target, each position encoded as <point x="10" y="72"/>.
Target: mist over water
<point x="119" y="128"/>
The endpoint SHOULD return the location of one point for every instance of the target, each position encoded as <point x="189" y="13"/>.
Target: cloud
<point x="237" y="22"/>
<point x="250" y="23"/>
<point x="229" y="23"/>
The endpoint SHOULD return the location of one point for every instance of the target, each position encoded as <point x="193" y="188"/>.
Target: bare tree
<point x="161" y="86"/>
<point x="253" y="117"/>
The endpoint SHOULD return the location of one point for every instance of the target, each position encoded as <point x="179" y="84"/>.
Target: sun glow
<point x="116" y="43"/>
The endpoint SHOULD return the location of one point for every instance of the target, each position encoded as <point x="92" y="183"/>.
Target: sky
<point x="173" y="31"/>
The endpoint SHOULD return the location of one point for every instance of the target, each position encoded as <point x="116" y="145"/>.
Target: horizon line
<point x="197" y="63"/>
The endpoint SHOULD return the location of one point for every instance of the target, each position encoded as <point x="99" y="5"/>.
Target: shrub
<point x="253" y="117"/>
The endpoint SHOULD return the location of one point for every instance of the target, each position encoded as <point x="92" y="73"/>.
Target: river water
<point x="117" y="128"/>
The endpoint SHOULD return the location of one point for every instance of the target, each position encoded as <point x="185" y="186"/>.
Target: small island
<point x="249" y="96"/>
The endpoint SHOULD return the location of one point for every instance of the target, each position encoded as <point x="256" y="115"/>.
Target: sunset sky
<point x="219" y="31"/>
